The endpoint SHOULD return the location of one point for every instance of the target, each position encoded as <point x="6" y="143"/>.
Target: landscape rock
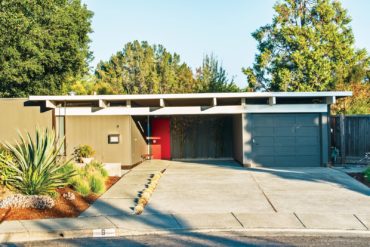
<point x="27" y="201"/>
<point x="69" y="196"/>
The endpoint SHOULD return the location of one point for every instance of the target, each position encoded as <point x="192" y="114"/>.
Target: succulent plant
<point x="139" y="208"/>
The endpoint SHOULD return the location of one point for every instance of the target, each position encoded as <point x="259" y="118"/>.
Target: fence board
<point x="351" y="136"/>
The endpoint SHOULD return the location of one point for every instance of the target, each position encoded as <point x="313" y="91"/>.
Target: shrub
<point x="367" y="174"/>
<point x="139" y="208"/>
<point x="5" y="153"/>
<point x="34" y="167"/>
<point x="96" y="183"/>
<point x="5" y="172"/>
<point x="88" y="179"/>
<point x="83" y="151"/>
<point x="72" y="169"/>
<point x="82" y="187"/>
<point x="96" y="167"/>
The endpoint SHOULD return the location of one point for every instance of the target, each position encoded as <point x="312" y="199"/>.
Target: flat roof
<point x="337" y="94"/>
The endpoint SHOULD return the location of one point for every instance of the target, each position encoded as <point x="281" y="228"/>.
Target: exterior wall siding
<point x="138" y="143"/>
<point x="20" y="115"/>
<point x="94" y="131"/>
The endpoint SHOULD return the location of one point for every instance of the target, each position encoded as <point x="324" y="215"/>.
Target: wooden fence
<point x="351" y="136"/>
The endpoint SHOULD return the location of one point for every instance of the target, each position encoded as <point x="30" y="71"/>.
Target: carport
<point x="268" y="129"/>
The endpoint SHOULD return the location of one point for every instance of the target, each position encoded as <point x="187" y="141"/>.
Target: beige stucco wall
<point x="16" y="114"/>
<point x="138" y="143"/>
<point x="94" y="131"/>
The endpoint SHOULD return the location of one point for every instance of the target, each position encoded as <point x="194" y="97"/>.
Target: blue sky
<point x="193" y="28"/>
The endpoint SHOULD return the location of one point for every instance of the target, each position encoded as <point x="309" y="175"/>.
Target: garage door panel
<point x="306" y="150"/>
<point x="264" y="140"/>
<point x="264" y="160"/>
<point x="284" y="140"/>
<point x="284" y="131"/>
<point x="262" y="150"/>
<point x="262" y="121"/>
<point x="306" y="131"/>
<point x="306" y="140"/>
<point x="263" y="131"/>
<point x="285" y="160"/>
<point x="284" y="120"/>
<point x="308" y="120"/>
<point x="285" y="150"/>
<point x="294" y="141"/>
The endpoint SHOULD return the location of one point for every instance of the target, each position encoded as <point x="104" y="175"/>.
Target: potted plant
<point x="84" y="153"/>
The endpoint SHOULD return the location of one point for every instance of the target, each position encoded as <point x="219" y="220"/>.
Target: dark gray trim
<point x="324" y="139"/>
<point x="247" y="121"/>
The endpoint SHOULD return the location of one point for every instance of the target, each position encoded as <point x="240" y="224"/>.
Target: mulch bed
<point x="63" y="208"/>
<point x="360" y="177"/>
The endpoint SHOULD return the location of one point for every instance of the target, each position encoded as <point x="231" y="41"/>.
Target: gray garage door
<point x="286" y="140"/>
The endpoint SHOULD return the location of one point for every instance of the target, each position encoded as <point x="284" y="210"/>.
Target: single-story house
<point x="269" y="129"/>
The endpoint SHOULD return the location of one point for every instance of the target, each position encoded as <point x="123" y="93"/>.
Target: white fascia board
<point x="147" y="111"/>
<point x="191" y="110"/>
<point x="190" y="96"/>
<point x="287" y="108"/>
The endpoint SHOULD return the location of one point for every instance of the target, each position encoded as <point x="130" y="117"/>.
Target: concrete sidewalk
<point x="125" y="225"/>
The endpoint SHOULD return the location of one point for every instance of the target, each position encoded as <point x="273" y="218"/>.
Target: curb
<point x="26" y="236"/>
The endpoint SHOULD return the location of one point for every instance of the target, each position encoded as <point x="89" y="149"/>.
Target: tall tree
<point x="212" y="77"/>
<point x="43" y="45"/>
<point x="141" y="68"/>
<point x="359" y="84"/>
<point x="308" y="47"/>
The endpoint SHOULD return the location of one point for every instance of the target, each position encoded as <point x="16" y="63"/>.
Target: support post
<point x="161" y="103"/>
<point x="272" y="100"/>
<point x="214" y="102"/>
<point x="342" y="139"/>
<point x="102" y="104"/>
<point x="330" y="100"/>
<point x="148" y="134"/>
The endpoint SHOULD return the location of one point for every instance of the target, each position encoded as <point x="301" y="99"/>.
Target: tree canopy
<point x="212" y="77"/>
<point x="308" y="47"/>
<point x="43" y="45"/>
<point x="141" y="68"/>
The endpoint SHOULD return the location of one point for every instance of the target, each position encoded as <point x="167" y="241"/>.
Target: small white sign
<point x="101" y="233"/>
<point x="113" y="139"/>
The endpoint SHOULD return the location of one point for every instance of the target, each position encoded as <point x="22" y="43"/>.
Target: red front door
<point x="161" y="138"/>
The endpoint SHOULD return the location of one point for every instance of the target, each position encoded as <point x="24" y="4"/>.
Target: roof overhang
<point x="337" y="94"/>
<point x="197" y="103"/>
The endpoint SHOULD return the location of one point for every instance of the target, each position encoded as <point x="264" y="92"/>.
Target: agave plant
<point x="35" y="169"/>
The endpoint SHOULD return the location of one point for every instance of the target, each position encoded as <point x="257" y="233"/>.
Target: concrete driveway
<point x="225" y="186"/>
<point x="222" y="194"/>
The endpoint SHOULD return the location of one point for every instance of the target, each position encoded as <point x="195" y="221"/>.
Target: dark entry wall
<point x="195" y="137"/>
